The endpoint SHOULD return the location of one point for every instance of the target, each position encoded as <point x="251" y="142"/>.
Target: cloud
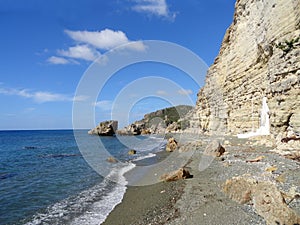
<point x="80" y="52"/>
<point x="185" y="92"/>
<point x="104" y="105"/>
<point x="90" y="43"/>
<point x="58" y="60"/>
<point x="40" y="96"/>
<point x="105" y="39"/>
<point x="161" y="92"/>
<point x="154" y="7"/>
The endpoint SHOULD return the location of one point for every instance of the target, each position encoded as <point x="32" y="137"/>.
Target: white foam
<point x="101" y="209"/>
<point x="150" y="155"/>
<point x="97" y="212"/>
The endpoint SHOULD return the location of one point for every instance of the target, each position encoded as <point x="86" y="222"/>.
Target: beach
<point x="201" y="199"/>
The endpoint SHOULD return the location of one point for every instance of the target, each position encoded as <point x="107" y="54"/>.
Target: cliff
<point x="259" y="56"/>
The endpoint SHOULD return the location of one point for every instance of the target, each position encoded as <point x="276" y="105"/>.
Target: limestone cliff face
<point x="259" y="56"/>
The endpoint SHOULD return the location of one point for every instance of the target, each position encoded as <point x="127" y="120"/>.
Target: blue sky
<point x="47" y="46"/>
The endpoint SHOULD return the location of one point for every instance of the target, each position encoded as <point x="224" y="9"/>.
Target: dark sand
<point x="153" y="204"/>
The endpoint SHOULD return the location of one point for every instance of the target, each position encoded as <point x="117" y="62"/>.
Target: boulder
<point x="171" y="145"/>
<point x="106" y="128"/>
<point x="267" y="200"/>
<point x="214" y="148"/>
<point x="179" y="174"/>
<point x="131" y="152"/>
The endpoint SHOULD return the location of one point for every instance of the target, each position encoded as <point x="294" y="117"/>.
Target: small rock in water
<point x="111" y="160"/>
<point x="132" y="152"/>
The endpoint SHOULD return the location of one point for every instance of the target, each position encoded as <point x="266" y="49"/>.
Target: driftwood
<point x="257" y="159"/>
<point x="287" y="139"/>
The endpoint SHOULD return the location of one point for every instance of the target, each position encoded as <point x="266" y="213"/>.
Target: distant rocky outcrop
<point x="133" y="129"/>
<point x="170" y="119"/>
<point x="106" y="128"/>
<point x="259" y="56"/>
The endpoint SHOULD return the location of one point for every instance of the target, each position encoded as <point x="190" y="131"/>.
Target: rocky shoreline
<point x="213" y="195"/>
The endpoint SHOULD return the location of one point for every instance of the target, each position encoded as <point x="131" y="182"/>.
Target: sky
<point x="48" y="48"/>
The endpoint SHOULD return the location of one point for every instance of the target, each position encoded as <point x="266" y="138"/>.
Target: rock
<point x="172" y="127"/>
<point x="133" y="129"/>
<point x="294" y="156"/>
<point x="250" y="65"/>
<point x="269" y="203"/>
<point x="227" y="142"/>
<point x="106" y="128"/>
<point x="111" y="160"/>
<point x="266" y="198"/>
<point x="145" y="132"/>
<point x="171" y="145"/>
<point x="239" y="189"/>
<point x="271" y="169"/>
<point x="132" y="152"/>
<point x="179" y="174"/>
<point x="214" y="148"/>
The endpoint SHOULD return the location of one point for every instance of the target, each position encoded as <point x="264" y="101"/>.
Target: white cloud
<point x="104" y="105"/>
<point x="161" y="92"/>
<point x="89" y="44"/>
<point x="185" y="92"/>
<point x="154" y="7"/>
<point x="80" y="52"/>
<point x="58" y="60"/>
<point x="80" y="98"/>
<point x="105" y="39"/>
<point x="40" y="96"/>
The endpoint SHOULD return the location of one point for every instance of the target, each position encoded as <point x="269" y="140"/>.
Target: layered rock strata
<point x="259" y="56"/>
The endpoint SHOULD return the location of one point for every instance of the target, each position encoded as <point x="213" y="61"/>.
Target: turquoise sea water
<point x="44" y="178"/>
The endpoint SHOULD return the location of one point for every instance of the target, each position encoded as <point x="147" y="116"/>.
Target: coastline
<point x="201" y="199"/>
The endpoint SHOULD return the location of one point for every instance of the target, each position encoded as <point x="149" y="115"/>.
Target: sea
<point x="46" y="178"/>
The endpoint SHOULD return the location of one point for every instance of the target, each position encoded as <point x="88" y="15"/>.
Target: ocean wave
<point x="91" y="206"/>
<point x="58" y="155"/>
<point x="150" y="155"/>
